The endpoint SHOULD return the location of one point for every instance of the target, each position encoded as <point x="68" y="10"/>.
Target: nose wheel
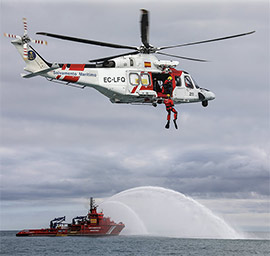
<point x="205" y="103"/>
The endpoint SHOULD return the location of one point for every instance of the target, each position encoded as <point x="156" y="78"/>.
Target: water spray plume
<point x="163" y="212"/>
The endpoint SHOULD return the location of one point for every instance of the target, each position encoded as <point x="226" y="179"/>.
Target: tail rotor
<point x="12" y="36"/>
<point x="25" y="39"/>
<point x="25" y="26"/>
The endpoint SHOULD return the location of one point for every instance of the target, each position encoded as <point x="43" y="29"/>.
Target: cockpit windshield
<point x="188" y="82"/>
<point x="196" y="84"/>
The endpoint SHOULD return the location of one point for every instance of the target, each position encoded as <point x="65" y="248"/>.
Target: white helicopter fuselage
<point x="134" y="79"/>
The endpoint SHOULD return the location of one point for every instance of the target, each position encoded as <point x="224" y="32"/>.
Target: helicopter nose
<point x="207" y="95"/>
<point x="211" y="96"/>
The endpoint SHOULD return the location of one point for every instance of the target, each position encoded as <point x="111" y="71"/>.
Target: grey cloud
<point x="71" y="173"/>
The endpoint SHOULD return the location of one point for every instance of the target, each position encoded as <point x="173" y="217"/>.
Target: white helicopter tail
<point x="34" y="62"/>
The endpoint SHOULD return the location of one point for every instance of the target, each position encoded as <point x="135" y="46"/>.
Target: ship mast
<point x="93" y="206"/>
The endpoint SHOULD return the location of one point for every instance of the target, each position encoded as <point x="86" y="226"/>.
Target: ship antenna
<point x="91" y="203"/>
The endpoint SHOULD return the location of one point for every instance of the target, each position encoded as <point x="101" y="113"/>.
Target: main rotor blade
<point x="181" y="57"/>
<point x="112" y="57"/>
<point x="145" y="28"/>
<point x="87" y="41"/>
<point x="207" y="41"/>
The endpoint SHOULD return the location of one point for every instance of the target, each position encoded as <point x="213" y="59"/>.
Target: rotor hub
<point x="26" y="39"/>
<point x="147" y="50"/>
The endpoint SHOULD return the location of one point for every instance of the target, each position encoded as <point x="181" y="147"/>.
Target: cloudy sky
<point x="60" y="145"/>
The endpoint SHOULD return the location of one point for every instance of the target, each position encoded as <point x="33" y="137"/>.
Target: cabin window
<point x="131" y="62"/>
<point x="134" y="79"/>
<point x="188" y="82"/>
<point x="109" y="64"/>
<point x="145" y="78"/>
<point x="178" y="81"/>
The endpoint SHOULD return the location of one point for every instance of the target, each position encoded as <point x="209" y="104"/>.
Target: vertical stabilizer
<point x="34" y="62"/>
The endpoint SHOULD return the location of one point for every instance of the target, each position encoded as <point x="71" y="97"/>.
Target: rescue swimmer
<point x="170" y="108"/>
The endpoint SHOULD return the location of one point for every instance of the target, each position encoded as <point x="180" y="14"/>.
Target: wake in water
<point x="163" y="212"/>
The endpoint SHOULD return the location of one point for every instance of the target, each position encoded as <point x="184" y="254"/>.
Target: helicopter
<point x="135" y="77"/>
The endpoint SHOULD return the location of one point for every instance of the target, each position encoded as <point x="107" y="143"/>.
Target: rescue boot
<point x="175" y="124"/>
<point x="167" y="126"/>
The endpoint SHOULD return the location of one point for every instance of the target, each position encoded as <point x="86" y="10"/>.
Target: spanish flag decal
<point x="147" y="64"/>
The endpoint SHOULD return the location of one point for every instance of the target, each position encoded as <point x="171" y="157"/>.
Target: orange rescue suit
<point x="169" y="107"/>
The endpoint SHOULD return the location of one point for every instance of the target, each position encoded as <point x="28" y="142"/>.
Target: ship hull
<point x="112" y="230"/>
<point x="92" y="224"/>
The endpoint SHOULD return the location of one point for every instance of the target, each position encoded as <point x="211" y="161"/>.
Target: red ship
<point x="93" y="224"/>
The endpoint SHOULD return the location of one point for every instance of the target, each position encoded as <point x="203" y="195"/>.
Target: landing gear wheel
<point x="205" y="103"/>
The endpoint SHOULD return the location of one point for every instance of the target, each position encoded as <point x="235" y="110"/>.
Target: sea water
<point x="128" y="245"/>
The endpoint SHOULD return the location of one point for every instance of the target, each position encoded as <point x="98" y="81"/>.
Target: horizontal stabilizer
<point x="41" y="72"/>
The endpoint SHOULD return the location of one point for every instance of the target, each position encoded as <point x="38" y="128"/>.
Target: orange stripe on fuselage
<point x="77" y="67"/>
<point x="134" y="89"/>
<point x="72" y="79"/>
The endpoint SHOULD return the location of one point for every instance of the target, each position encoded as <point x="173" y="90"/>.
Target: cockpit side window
<point x="188" y="82"/>
<point x="178" y="81"/>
